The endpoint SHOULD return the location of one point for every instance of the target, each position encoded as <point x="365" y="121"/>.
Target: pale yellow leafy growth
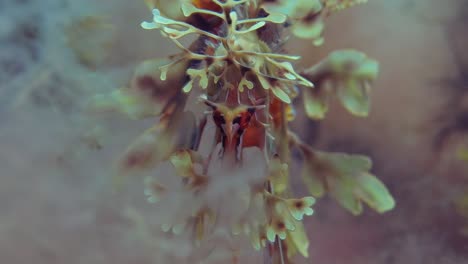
<point x="300" y="207"/>
<point x="297" y="241"/>
<point x="310" y="29"/>
<point x="147" y="95"/>
<point x="347" y="179"/>
<point x="316" y="102"/>
<point x="170" y="8"/>
<point x="373" y="192"/>
<point x="278" y="175"/>
<point x="245" y="83"/>
<point x="196" y="74"/>
<point x="276" y="89"/>
<point x="284" y="218"/>
<point x="305" y="16"/>
<point x="280" y="221"/>
<point x="125" y="102"/>
<point x="184" y="162"/>
<point x="355" y="97"/>
<point x="285" y="76"/>
<point x="146" y="151"/>
<point x="158" y="143"/>
<point x="349" y="74"/>
<point x="258" y="237"/>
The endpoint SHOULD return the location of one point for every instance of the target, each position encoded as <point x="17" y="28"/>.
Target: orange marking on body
<point x="254" y="136"/>
<point x="206" y="4"/>
<point x="210" y="50"/>
<point x="276" y="111"/>
<point x="213" y="21"/>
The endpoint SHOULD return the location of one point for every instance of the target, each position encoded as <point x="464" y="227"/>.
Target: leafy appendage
<point x="347" y="74"/>
<point x="347" y="179"/>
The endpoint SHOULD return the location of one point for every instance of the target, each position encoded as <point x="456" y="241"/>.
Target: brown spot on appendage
<point x="196" y="183"/>
<point x="321" y="167"/>
<point x="311" y="17"/>
<point x="280" y="225"/>
<point x="158" y="188"/>
<point x="149" y="86"/>
<point x="299" y="204"/>
<point x="136" y="159"/>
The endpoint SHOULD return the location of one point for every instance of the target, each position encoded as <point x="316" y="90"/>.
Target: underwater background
<point x="58" y="201"/>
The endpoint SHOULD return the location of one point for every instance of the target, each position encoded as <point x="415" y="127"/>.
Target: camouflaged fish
<point x="238" y="68"/>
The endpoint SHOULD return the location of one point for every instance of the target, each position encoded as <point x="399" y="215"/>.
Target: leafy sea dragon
<point x="238" y="67"/>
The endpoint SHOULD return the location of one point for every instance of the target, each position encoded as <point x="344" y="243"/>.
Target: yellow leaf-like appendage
<point x="347" y="179"/>
<point x="346" y="73"/>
